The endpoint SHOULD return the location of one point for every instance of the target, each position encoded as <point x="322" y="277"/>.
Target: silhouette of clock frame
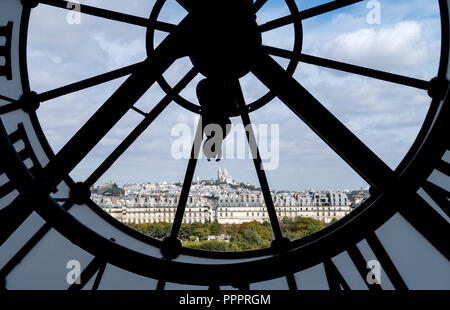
<point x="42" y="206"/>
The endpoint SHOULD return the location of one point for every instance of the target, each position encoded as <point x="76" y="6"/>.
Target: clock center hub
<point x="224" y="37"/>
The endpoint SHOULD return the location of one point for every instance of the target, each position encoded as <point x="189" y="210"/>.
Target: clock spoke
<point x="238" y="96"/>
<point x="188" y="177"/>
<point x="258" y="5"/>
<point x="112" y="15"/>
<point x="308" y="13"/>
<point x="187" y="4"/>
<point x="143" y="125"/>
<point x="6" y="98"/>
<point x="361" y="265"/>
<point x="368" y="165"/>
<point x="426" y="220"/>
<point x="10" y="107"/>
<point x="292" y="283"/>
<point x="334" y="277"/>
<point x="90" y="82"/>
<point x="385" y="261"/>
<point x="363" y="71"/>
<point x="139" y="111"/>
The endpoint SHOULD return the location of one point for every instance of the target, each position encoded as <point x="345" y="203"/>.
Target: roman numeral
<point x="15" y="213"/>
<point x="5" y="50"/>
<point x="335" y="279"/>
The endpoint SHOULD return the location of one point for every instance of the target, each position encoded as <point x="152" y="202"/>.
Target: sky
<point x="385" y="116"/>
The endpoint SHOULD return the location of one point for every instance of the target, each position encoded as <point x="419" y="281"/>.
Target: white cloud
<point x="120" y="52"/>
<point x="401" y="45"/>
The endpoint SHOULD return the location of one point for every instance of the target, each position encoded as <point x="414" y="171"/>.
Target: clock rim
<point x="369" y="205"/>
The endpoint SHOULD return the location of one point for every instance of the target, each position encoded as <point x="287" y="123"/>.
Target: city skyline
<point x="222" y="200"/>
<point x="198" y="179"/>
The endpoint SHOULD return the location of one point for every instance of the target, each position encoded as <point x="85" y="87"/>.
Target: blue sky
<point x="385" y="116"/>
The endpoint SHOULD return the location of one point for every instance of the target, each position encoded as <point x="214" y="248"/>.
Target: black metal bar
<point x="188" y="5"/>
<point x="324" y="124"/>
<point x="257" y="160"/>
<point x="112" y="15"/>
<point x="17" y="258"/>
<point x="139" y="111"/>
<point x="334" y="277"/>
<point x="361" y="266"/>
<point x="443" y="167"/>
<point x="308" y="13"/>
<point x="372" y="73"/>
<point x="426" y="220"/>
<point x="258" y="5"/>
<point x="60" y="199"/>
<point x="386" y="262"/>
<point x="17" y="134"/>
<point x="7" y="99"/>
<point x="27" y="152"/>
<point x="176" y="226"/>
<point x="161" y="285"/>
<point x="5" y="50"/>
<point x="93" y="81"/>
<point x="10" y="107"/>
<point x="292" y="283"/>
<point x="150" y="117"/>
<point x="439" y="195"/>
<point x="28" y="246"/>
<point x="87" y="274"/>
<point x="99" y="276"/>
<point x="108" y="114"/>
<point x="6" y="188"/>
<point x="12" y="216"/>
<point x="24" y="154"/>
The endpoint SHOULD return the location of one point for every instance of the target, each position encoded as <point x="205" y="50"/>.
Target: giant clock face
<point x="48" y="219"/>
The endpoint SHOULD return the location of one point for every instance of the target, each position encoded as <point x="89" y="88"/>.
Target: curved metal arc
<point x="442" y="1"/>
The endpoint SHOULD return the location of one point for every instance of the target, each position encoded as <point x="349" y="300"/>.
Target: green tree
<point x="201" y="232"/>
<point x="287" y="220"/>
<point x="252" y="233"/>
<point x="210" y="245"/>
<point x="155" y="230"/>
<point x="240" y="246"/>
<point x="215" y="228"/>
